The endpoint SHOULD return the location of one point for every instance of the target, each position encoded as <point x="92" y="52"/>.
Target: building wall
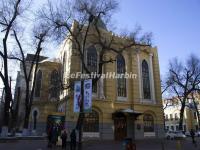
<point x="107" y="103"/>
<point x="134" y="99"/>
<point x="189" y="121"/>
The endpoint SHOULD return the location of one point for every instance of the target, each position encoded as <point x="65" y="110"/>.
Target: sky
<point x="175" y="25"/>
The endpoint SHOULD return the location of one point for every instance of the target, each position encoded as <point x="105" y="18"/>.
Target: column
<point x="139" y="76"/>
<point x="151" y="77"/>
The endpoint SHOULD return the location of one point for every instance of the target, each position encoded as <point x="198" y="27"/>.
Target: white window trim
<point x="120" y="98"/>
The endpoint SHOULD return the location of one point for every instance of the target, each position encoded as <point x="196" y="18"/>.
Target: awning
<point x="126" y="112"/>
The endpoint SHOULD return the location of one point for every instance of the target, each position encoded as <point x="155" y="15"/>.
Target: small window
<point x="177" y="127"/>
<point x="148" y="123"/>
<point x="176" y="116"/>
<point x="172" y="128"/>
<point x="171" y="117"/>
<point x="195" y="115"/>
<point x="91" y="122"/>
<point x="166" y="117"/>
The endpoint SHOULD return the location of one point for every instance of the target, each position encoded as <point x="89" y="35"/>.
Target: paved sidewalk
<point x="147" y="144"/>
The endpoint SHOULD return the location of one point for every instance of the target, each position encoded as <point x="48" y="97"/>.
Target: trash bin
<point x="128" y="144"/>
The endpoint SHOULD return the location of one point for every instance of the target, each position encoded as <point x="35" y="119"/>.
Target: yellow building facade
<point x="128" y="108"/>
<point x="111" y="110"/>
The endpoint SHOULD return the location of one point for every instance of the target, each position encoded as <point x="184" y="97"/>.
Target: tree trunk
<point x="27" y="112"/>
<point x="181" y="116"/>
<point x="26" y="120"/>
<point x="29" y="96"/>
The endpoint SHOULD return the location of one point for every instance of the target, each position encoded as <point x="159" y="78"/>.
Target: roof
<point x="30" y="57"/>
<point x="50" y="60"/>
<point x="126" y="111"/>
<point x="100" y="23"/>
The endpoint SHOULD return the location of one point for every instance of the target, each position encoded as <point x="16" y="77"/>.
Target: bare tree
<point x="10" y="14"/>
<point x="9" y="11"/>
<point x="40" y="34"/>
<point x="83" y="20"/>
<point x="184" y="79"/>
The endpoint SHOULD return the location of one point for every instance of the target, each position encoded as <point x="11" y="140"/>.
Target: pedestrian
<point x="192" y="136"/>
<point x="54" y="136"/>
<point x="49" y="133"/>
<point x="64" y="139"/>
<point x="73" y="140"/>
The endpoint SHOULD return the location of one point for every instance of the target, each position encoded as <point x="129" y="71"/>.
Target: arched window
<point x="35" y="113"/>
<point x="121" y="81"/>
<point x="92" y="63"/>
<point x="54" y="84"/>
<point x="146" y="81"/>
<point x="148" y="123"/>
<point x="91" y="122"/>
<point x="38" y="83"/>
<point x="63" y="65"/>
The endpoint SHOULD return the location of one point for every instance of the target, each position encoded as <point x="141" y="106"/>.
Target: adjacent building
<point x="172" y="115"/>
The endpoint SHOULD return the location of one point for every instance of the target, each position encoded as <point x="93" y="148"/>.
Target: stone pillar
<point x="101" y="89"/>
<point x="139" y="76"/>
<point x="151" y="77"/>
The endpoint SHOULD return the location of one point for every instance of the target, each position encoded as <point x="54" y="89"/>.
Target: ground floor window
<point x="91" y="122"/>
<point x="184" y="127"/>
<point x="148" y="123"/>
<point x="172" y="128"/>
<point x="177" y="127"/>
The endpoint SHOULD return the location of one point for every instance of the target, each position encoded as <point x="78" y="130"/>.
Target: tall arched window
<point x="92" y="63"/>
<point x="148" y="123"/>
<point x="121" y="82"/>
<point x="54" y="84"/>
<point x="35" y="113"/>
<point x="63" y="65"/>
<point x="146" y="81"/>
<point x="91" y="122"/>
<point x="38" y="83"/>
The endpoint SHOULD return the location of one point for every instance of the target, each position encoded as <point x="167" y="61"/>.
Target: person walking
<point x="54" y="136"/>
<point x="192" y="136"/>
<point x="49" y="132"/>
<point x="73" y="140"/>
<point x="64" y="139"/>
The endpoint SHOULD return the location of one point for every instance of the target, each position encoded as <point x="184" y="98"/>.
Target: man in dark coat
<point x="73" y="140"/>
<point x="192" y="136"/>
<point x="64" y="139"/>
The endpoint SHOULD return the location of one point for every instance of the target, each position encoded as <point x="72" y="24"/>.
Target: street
<point x="147" y="144"/>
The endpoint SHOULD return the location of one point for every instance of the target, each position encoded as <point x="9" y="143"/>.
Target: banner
<point x="77" y="96"/>
<point x="87" y="106"/>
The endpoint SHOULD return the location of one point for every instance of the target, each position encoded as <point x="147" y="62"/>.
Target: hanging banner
<point x="77" y="96"/>
<point x="87" y="95"/>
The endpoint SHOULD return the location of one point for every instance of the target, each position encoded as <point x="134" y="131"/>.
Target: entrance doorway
<point x="55" y="121"/>
<point x="120" y="126"/>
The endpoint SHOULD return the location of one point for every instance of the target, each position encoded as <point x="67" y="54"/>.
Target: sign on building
<point x="87" y="95"/>
<point x="77" y="96"/>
